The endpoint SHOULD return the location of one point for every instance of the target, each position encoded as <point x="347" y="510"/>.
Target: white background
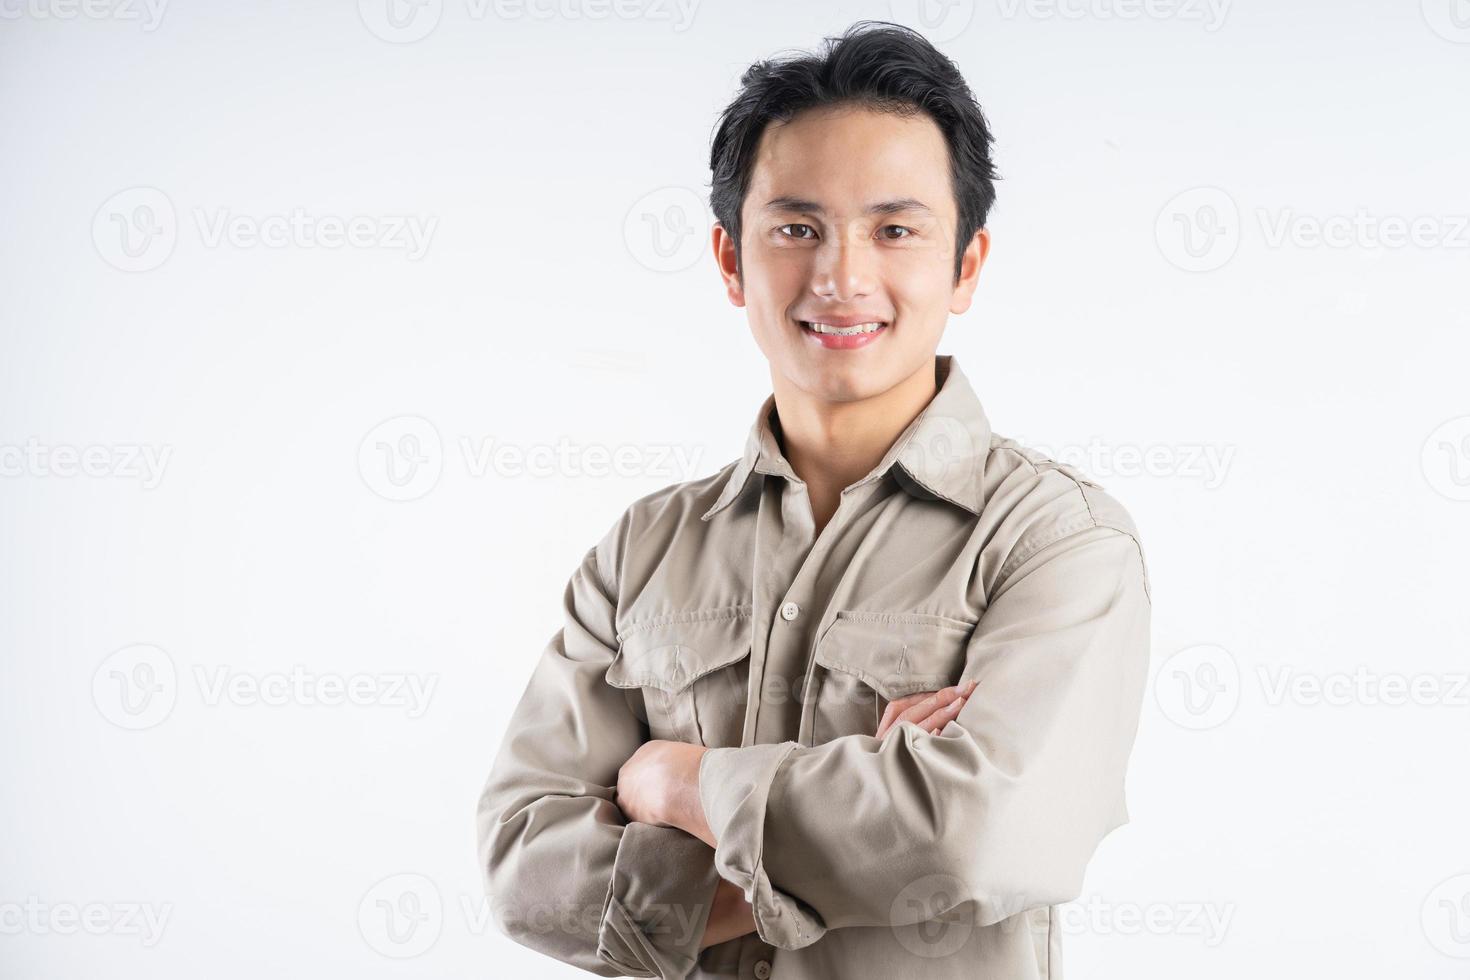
<point x="1276" y="831"/>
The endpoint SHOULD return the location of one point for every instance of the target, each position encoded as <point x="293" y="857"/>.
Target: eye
<point x="907" y="232"/>
<point x="809" y="228"/>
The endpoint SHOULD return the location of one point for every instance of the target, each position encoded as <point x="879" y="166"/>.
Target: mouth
<point x="844" y="337"/>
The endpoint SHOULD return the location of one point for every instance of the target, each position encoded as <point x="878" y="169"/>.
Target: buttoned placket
<point x="789" y="559"/>
<point x="789" y="610"/>
<point x="792" y="589"/>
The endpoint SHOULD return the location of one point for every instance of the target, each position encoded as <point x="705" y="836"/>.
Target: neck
<point x="832" y="445"/>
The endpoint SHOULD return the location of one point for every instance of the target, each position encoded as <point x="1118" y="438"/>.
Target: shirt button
<point x="790" y="611"/>
<point x="762" y="970"/>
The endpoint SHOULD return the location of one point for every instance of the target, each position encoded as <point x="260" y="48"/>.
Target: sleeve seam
<point x="1016" y="560"/>
<point x="760" y="857"/>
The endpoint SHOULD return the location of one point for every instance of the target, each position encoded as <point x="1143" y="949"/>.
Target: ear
<point x="723" y="244"/>
<point x="970" y="264"/>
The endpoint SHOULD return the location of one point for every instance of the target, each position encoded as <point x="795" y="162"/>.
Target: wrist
<point x="687" y="808"/>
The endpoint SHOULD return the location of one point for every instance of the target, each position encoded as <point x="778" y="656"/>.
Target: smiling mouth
<point x="853" y="331"/>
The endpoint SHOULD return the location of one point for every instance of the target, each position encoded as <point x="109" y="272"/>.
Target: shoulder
<point x="1032" y="501"/>
<point x="660" y="521"/>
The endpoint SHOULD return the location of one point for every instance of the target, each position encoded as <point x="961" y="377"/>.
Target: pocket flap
<point x="897" y="654"/>
<point x="670" y="654"/>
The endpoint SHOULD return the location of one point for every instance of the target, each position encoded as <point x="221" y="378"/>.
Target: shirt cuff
<point x="658" y="902"/>
<point x="737" y="786"/>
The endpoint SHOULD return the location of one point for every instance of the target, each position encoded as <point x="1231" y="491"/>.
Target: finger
<point x="898" y="705"/>
<point x="926" y="707"/>
<point x="910" y="704"/>
<point x="923" y="704"/>
<point x="935" y="720"/>
<point x="935" y="723"/>
<point x="916" y="707"/>
<point x="952" y="710"/>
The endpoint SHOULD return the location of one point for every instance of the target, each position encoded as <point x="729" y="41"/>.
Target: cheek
<point x="771" y="291"/>
<point x="921" y="289"/>
<point x="921" y="270"/>
<point x="768" y="329"/>
<point x="774" y="273"/>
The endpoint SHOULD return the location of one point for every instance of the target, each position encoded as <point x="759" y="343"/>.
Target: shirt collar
<point x="940" y="454"/>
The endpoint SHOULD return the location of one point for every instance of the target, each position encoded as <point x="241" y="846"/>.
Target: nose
<point x="845" y="268"/>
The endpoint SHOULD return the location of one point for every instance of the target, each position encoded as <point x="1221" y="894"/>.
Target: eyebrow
<point x="804" y="206"/>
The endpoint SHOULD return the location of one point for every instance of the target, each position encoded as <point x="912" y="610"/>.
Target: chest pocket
<point x="689" y="672"/>
<point x="864" y="660"/>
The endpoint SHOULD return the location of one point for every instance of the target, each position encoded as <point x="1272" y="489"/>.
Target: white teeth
<point x="841" y="331"/>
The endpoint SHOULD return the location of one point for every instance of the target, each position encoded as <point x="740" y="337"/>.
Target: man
<point x="860" y="704"/>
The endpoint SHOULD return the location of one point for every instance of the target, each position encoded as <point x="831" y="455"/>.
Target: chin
<point x="852" y="381"/>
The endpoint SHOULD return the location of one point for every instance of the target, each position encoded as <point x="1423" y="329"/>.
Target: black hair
<point x="874" y="65"/>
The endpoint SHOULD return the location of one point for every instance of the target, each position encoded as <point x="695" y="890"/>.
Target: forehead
<point x="844" y="158"/>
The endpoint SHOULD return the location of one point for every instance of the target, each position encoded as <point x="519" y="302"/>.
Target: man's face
<point x="850" y="217"/>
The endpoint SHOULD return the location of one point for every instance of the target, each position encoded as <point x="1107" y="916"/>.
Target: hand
<point x="930" y="710"/>
<point x="659" y="785"/>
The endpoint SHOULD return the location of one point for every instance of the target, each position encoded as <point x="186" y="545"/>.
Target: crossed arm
<point x="1002" y="807"/>
<point x="659" y="785"/>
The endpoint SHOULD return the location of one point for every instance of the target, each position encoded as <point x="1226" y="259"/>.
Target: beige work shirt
<point x="712" y="613"/>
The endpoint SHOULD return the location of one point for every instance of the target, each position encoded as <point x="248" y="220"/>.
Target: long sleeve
<point x="565" y="874"/>
<point x="998" y="812"/>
